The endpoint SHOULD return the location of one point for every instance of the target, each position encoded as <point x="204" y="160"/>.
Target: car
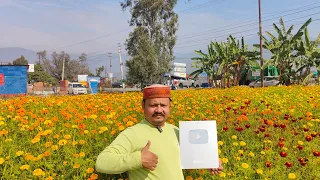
<point x="77" y="88"/>
<point x="117" y="85"/>
<point x="268" y="81"/>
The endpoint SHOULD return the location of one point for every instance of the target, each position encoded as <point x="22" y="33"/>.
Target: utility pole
<point x="261" y="59"/>
<point x="110" y="61"/>
<point x="63" y="67"/>
<point x="121" y="66"/>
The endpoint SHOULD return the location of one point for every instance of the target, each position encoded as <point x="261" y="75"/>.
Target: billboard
<point x="180" y="69"/>
<point x="82" y="78"/>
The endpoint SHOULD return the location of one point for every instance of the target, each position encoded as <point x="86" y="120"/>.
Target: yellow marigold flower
<point x="62" y="142"/>
<point x="35" y="140"/>
<point x="67" y="136"/>
<point x="224" y="160"/>
<point x="54" y="147"/>
<point x="82" y="154"/>
<point x="235" y="144"/>
<point x="90" y="170"/>
<point x="94" y="176"/>
<point x="238" y="158"/>
<point x="240" y="151"/>
<point x="234" y="137"/>
<point x="1" y="160"/>
<point x="93" y="116"/>
<point x="74" y="143"/>
<point x="242" y="143"/>
<point x="222" y="174"/>
<point x="259" y="171"/>
<point x="103" y="129"/>
<point x="76" y="166"/>
<point x="219" y="151"/>
<point x="189" y="178"/>
<point x="129" y="123"/>
<point x="24" y="167"/>
<point x="245" y="165"/>
<point x="38" y="172"/>
<point x="19" y="153"/>
<point x="284" y="148"/>
<point x="74" y="126"/>
<point x="251" y="154"/>
<point x="46" y="132"/>
<point x="82" y="142"/>
<point x="120" y="128"/>
<point x="292" y="176"/>
<point x="8" y="140"/>
<point x="263" y="153"/>
<point x="48" y="144"/>
<point x="309" y="124"/>
<point x="220" y="143"/>
<point x="86" y="131"/>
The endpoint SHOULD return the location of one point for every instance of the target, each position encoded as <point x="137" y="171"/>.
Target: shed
<point x="13" y="80"/>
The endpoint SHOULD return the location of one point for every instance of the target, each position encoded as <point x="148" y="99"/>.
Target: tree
<point x="99" y="71"/>
<point x="73" y="67"/>
<point x="39" y="75"/>
<point x="156" y="26"/>
<point x="308" y="55"/>
<point x="20" y="61"/>
<point x="282" y="48"/>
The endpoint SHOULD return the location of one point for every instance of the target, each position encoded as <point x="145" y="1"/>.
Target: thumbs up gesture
<point x="149" y="160"/>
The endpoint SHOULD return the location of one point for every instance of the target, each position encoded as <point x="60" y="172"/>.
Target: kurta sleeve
<point x="118" y="157"/>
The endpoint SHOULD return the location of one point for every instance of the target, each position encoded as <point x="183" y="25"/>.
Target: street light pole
<point x="121" y="66"/>
<point x="261" y="59"/>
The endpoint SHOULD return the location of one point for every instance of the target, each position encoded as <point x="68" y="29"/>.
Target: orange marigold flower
<point x="94" y="176"/>
<point x="90" y="170"/>
<point x="76" y="166"/>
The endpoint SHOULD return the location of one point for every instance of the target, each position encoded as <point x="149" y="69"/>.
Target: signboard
<point x="110" y="75"/>
<point x="82" y="78"/>
<point x="1" y="79"/>
<point x="198" y="144"/>
<point x="180" y="69"/>
<point x="31" y="68"/>
<point x="180" y="74"/>
<point x="256" y="73"/>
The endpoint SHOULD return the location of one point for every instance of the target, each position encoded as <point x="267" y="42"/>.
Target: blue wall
<point x="15" y="80"/>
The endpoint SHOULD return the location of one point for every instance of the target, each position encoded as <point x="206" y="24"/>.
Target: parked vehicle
<point x="268" y="81"/>
<point x="117" y="85"/>
<point x="77" y="88"/>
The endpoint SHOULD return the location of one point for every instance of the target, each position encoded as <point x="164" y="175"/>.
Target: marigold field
<point x="263" y="133"/>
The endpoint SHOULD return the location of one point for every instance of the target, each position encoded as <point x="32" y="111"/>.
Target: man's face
<point x="156" y="110"/>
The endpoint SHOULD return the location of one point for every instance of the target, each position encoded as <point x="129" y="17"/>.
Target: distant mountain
<point x="12" y="53"/>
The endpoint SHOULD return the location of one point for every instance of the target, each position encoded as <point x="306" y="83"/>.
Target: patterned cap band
<point x="156" y="91"/>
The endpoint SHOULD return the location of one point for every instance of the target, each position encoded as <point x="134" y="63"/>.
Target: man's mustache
<point x="157" y="114"/>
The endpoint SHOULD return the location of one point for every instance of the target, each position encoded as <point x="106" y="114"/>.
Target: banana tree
<point x="282" y="48"/>
<point x="206" y="63"/>
<point x="308" y="55"/>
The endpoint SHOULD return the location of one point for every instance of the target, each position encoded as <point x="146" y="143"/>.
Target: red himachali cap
<point x="156" y="91"/>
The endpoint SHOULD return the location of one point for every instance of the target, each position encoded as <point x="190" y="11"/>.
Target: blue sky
<point x="66" y="25"/>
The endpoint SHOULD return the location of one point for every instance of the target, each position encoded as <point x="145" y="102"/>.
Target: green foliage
<point x="99" y="70"/>
<point x="152" y="40"/>
<point x="39" y="75"/>
<point x="20" y="61"/>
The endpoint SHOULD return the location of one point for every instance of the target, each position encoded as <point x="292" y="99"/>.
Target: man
<point x="150" y="149"/>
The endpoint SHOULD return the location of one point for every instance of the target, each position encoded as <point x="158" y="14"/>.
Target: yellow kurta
<point x="124" y="153"/>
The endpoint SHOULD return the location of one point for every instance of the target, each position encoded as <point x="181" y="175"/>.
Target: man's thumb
<point x="147" y="146"/>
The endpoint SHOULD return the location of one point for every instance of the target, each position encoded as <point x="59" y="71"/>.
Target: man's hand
<point x="216" y="170"/>
<point x="149" y="160"/>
